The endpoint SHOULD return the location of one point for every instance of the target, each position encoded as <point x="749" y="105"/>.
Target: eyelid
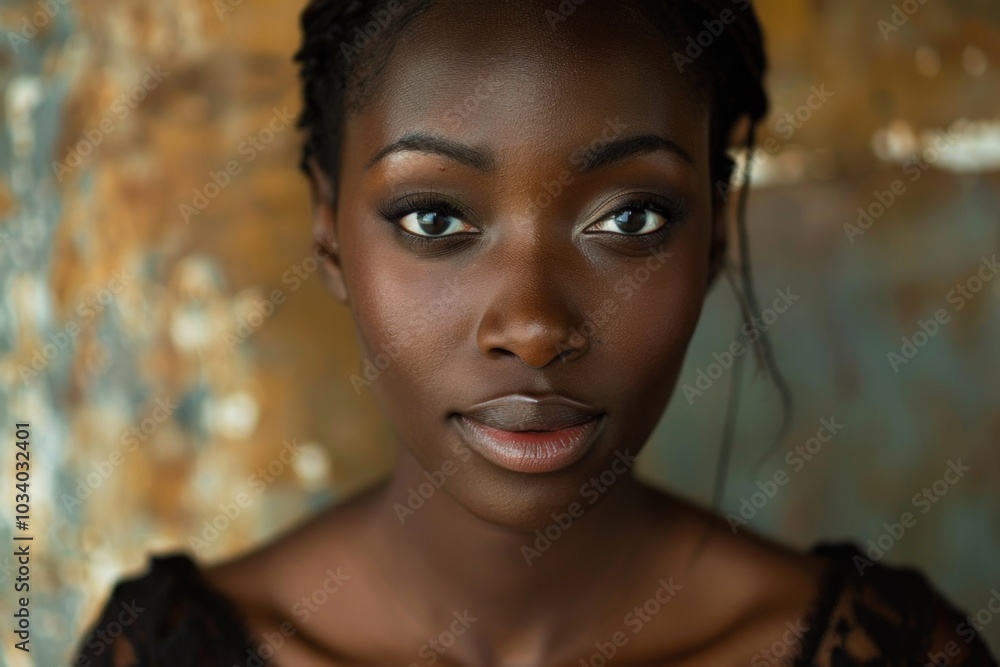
<point x="393" y="210"/>
<point x="400" y="223"/>
<point x="426" y="200"/>
<point x="674" y="210"/>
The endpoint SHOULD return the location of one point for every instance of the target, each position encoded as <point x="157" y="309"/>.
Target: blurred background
<point x="163" y="330"/>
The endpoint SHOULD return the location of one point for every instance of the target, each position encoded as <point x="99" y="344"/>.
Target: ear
<point x="721" y="194"/>
<point x="324" y="227"/>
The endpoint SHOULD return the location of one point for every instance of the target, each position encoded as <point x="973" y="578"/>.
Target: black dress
<point x="883" y="615"/>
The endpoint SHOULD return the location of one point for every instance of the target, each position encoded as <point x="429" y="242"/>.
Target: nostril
<point x="534" y="337"/>
<point x="539" y="353"/>
<point x="565" y="355"/>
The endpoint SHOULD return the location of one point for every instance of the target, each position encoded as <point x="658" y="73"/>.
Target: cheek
<point x="652" y="312"/>
<point x="409" y="317"/>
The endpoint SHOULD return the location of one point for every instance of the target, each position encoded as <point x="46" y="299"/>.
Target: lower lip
<point x="530" y="451"/>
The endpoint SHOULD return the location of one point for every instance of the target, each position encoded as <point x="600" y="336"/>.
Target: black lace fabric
<point x="885" y="616"/>
<point x="168" y="617"/>
<point x="870" y="614"/>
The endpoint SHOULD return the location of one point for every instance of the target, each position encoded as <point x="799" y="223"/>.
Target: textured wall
<point x="134" y="339"/>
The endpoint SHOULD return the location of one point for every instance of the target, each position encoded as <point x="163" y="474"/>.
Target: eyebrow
<point x="478" y="158"/>
<point x="619" y="150"/>
<point x="482" y="159"/>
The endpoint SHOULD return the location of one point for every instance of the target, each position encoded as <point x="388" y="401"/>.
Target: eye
<point x="427" y="216"/>
<point x="433" y="223"/>
<point x="637" y="218"/>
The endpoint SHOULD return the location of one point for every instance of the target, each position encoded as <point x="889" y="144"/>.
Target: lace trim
<point x="885" y="616"/>
<point x="181" y="620"/>
<point x="232" y="621"/>
<point x="818" y="615"/>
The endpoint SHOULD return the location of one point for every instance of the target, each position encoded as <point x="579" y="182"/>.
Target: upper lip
<point x="523" y="412"/>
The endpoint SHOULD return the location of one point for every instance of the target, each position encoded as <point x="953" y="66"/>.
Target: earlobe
<point x="324" y="225"/>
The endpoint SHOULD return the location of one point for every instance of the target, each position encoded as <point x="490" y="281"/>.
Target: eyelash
<point x="392" y="211"/>
<point x="673" y="211"/>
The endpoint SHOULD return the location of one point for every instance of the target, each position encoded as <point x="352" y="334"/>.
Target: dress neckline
<point x="838" y="556"/>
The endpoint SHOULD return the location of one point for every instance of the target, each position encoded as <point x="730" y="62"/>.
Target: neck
<point x="539" y="581"/>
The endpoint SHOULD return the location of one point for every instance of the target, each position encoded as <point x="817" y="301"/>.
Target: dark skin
<point x="511" y="292"/>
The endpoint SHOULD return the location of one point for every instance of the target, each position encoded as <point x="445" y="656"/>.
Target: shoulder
<point x="871" y="613"/>
<point x="302" y="586"/>
<point x="167" y="615"/>
<point x="746" y="595"/>
<point x="829" y="605"/>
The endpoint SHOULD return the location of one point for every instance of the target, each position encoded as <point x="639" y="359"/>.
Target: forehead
<point x="523" y="78"/>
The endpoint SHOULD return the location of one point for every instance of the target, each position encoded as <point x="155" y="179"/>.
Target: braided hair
<point x="336" y="79"/>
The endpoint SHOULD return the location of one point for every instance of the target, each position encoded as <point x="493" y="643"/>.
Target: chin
<point x="518" y="504"/>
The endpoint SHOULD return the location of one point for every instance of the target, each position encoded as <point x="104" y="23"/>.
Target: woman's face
<point x="550" y="218"/>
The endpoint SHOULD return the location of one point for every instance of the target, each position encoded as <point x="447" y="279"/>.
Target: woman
<point x="524" y="204"/>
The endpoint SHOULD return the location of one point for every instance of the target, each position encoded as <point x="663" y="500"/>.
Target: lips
<point x="530" y="434"/>
<point x="521" y="412"/>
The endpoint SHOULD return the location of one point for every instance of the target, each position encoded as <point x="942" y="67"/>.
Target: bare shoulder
<point x="306" y="580"/>
<point x="744" y="564"/>
<point x="767" y="604"/>
<point x="755" y="597"/>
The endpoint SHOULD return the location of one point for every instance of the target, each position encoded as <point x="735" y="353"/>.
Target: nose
<point x="530" y="316"/>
